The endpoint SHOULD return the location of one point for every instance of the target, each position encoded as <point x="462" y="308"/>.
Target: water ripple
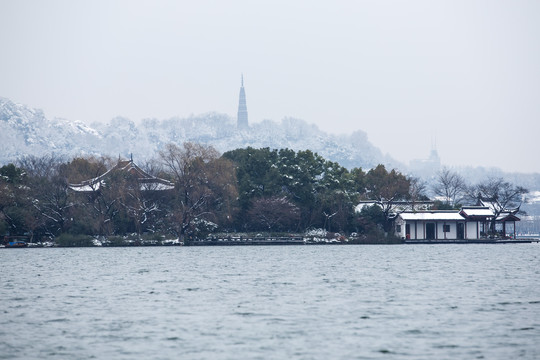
<point x="355" y="302"/>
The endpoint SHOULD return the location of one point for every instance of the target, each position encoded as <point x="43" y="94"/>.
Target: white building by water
<point x="469" y="223"/>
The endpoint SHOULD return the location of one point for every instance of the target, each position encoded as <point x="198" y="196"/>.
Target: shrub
<point x="71" y="240"/>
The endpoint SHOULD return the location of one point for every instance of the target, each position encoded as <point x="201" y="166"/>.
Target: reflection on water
<point x="303" y="302"/>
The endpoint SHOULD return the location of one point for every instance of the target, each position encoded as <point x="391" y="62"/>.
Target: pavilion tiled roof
<point x="146" y="181"/>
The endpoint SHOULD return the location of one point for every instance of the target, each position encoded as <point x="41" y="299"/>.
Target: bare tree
<point x="451" y="186"/>
<point x="501" y="196"/>
<point x="387" y="188"/>
<point x="204" y="185"/>
<point x="417" y="191"/>
<point x="15" y="200"/>
<point x="274" y="213"/>
<point x="139" y="204"/>
<point x="49" y="190"/>
<point x="99" y="205"/>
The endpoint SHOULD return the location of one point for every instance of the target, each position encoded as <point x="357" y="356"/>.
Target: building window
<point x="446" y="228"/>
<point x="398" y="228"/>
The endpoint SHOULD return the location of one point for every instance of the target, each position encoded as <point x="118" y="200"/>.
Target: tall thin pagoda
<point x="242" y="122"/>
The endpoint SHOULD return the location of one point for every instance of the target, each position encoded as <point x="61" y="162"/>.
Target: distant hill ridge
<point x="27" y="131"/>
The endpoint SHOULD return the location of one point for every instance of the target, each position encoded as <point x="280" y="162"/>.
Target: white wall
<point x="452" y="234"/>
<point x="471" y="230"/>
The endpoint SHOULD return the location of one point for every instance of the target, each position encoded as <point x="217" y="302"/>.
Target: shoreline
<point x="295" y="242"/>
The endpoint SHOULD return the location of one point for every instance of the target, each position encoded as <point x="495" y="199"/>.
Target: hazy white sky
<point x="466" y="73"/>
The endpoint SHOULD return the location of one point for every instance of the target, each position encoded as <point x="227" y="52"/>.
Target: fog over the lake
<point x="464" y="75"/>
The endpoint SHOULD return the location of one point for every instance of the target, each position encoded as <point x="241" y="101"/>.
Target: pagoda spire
<point x="242" y="121"/>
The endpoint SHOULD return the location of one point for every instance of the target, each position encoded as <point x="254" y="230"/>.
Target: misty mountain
<point x="27" y="131"/>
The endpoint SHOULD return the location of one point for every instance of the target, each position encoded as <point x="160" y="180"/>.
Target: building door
<point x="430" y="231"/>
<point x="407" y="231"/>
<point x="461" y="231"/>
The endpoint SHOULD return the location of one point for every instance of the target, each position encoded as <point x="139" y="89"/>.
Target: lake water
<point x="272" y="302"/>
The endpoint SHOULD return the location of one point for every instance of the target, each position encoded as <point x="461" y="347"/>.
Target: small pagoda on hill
<point x="125" y="169"/>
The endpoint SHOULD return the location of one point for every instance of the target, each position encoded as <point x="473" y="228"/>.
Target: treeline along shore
<point x="195" y="195"/>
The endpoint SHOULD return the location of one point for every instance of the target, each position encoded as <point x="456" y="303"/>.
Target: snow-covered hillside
<point x="26" y="131"/>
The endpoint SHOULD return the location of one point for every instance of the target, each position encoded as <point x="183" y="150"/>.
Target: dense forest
<point x="240" y="191"/>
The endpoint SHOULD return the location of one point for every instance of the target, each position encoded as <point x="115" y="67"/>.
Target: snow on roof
<point x="146" y="182"/>
<point x="507" y="216"/>
<point x="85" y="187"/>
<point x="476" y="211"/>
<point x="432" y="215"/>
